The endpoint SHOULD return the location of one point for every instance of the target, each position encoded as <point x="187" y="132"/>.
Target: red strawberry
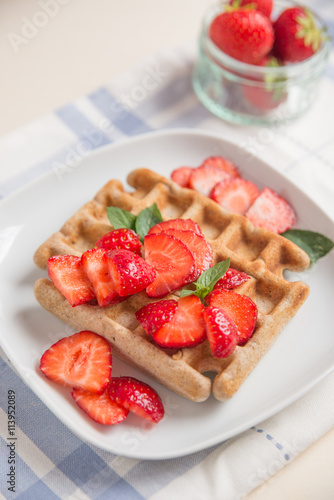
<point x="99" y="407"/>
<point x="264" y="99"/>
<point x="199" y="247"/>
<point x="235" y="194"/>
<point x="221" y="332"/>
<point x="296" y="35"/>
<point x="264" y="6"/>
<point x="94" y="263"/>
<point x="171" y="259"/>
<point x="205" y="177"/>
<point x="272" y="212"/>
<point x="66" y="273"/>
<point x="240" y="309"/>
<point x="181" y="176"/>
<point x="138" y="397"/>
<point x="129" y="272"/>
<point x="231" y="279"/>
<point x="223" y="163"/>
<point x="245" y="34"/>
<point x="153" y="316"/>
<point x="186" y="328"/>
<point x="271" y="91"/>
<point x="82" y="360"/>
<point x="120" y="238"/>
<point x="181" y="224"/>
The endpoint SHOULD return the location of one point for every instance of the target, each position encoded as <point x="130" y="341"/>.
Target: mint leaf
<point x="200" y="292"/>
<point x="121" y="218"/>
<point x="185" y="293"/>
<point x="316" y="245"/>
<point x="146" y="219"/>
<point x="207" y="280"/>
<point x="141" y="223"/>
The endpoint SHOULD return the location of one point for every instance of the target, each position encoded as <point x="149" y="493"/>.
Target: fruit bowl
<point x="245" y="93"/>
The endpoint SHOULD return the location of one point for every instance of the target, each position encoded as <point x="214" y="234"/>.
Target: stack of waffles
<point x="258" y="252"/>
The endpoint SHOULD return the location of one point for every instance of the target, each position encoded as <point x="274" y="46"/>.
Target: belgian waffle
<point x="260" y="253"/>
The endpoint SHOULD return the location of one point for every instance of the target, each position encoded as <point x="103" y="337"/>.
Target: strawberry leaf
<point x="316" y="245"/>
<point x="207" y="280"/>
<point x="185" y="293"/>
<point x="146" y="219"/>
<point x="141" y="223"/>
<point x="121" y="218"/>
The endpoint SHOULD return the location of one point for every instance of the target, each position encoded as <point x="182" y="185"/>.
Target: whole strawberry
<point x="272" y="92"/>
<point x="245" y="34"/>
<point x="296" y="35"/>
<point x="264" y="6"/>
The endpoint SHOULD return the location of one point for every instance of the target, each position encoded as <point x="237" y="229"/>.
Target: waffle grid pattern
<point x="260" y="253"/>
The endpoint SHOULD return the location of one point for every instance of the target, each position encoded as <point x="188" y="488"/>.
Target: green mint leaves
<point x="121" y="218"/>
<point x="207" y="280"/>
<point x="146" y="219"/>
<point x="316" y="245"/>
<point x="141" y="223"/>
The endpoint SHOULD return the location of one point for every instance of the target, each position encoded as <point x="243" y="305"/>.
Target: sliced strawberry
<point x="199" y="247"/>
<point x="204" y="178"/>
<point x="223" y="163"/>
<point x="240" y="309"/>
<point x="171" y="259"/>
<point x="129" y="272"/>
<point x="138" y="397"/>
<point x="272" y="212"/>
<point x="94" y="263"/>
<point x="82" y="360"/>
<point x="181" y="224"/>
<point x="154" y="315"/>
<point x="66" y="273"/>
<point x="235" y="194"/>
<point x="186" y="328"/>
<point x="99" y="407"/>
<point x="120" y="238"/>
<point x="181" y="176"/>
<point x="231" y="279"/>
<point x="221" y="332"/>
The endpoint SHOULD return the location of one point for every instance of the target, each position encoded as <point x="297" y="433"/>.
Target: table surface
<point x="80" y="47"/>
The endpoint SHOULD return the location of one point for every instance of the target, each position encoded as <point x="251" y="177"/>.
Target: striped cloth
<point x="51" y="462"/>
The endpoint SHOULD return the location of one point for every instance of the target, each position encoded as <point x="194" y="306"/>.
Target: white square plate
<point x="303" y="354"/>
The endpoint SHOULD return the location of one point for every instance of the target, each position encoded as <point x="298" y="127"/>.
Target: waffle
<point x="261" y="254"/>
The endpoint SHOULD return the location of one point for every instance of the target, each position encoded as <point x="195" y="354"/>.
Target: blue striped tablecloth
<point x="51" y="462"/>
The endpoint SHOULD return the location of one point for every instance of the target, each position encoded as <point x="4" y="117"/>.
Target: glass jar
<point x="248" y="94"/>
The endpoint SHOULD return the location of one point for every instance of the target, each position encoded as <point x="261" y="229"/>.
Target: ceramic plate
<point x="303" y="354"/>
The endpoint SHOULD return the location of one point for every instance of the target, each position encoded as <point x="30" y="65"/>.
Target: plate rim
<point x="156" y="133"/>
